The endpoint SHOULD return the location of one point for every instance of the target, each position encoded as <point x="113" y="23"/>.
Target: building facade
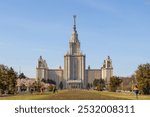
<point x="74" y="74"/>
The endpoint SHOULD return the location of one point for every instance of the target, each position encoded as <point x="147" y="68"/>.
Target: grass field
<point x="76" y="95"/>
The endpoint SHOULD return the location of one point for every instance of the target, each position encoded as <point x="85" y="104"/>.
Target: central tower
<point x="74" y="63"/>
<point x="74" y="42"/>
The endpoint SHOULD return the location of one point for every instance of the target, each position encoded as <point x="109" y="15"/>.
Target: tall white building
<point x="74" y="74"/>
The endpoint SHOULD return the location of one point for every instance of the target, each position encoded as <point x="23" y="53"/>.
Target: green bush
<point x="50" y="88"/>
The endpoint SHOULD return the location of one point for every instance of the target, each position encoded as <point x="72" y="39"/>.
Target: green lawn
<point x="76" y="95"/>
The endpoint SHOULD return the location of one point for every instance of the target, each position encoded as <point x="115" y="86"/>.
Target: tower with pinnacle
<point x="107" y="69"/>
<point x="74" y="63"/>
<point x="74" y="75"/>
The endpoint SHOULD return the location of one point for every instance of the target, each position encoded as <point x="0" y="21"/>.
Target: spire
<point x="74" y="42"/>
<point x="74" y="26"/>
<point x="74" y="37"/>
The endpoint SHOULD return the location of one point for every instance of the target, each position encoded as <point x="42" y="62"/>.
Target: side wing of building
<point x="56" y="75"/>
<point x="93" y="74"/>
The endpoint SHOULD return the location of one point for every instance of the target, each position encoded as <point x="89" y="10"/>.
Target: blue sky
<point x="118" y="28"/>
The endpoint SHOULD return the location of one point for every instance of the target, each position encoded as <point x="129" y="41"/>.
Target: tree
<point x="43" y="80"/>
<point x="44" y="84"/>
<point x="114" y="83"/>
<point x="30" y="84"/>
<point x="3" y="77"/>
<point x="95" y="82"/>
<point x="48" y="81"/>
<point x="22" y="76"/>
<point x="61" y="85"/>
<point x="51" y="81"/>
<point x="99" y="84"/>
<point x="51" y="87"/>
<point x="12" y="77"/>
<point x="142" y="75"/>
<point x="102" y="84"/>
<point x="38" y="84"/>
<point x="8" y="79"/>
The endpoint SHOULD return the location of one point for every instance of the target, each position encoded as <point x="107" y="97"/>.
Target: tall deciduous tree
<point x="143" y="78"/>
<point x="114" y="83"/>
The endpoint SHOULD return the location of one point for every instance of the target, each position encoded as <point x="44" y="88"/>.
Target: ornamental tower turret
<point x="107" y="69"/>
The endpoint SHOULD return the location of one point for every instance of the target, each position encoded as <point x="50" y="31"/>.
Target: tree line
<point x="8" y="78"/>
<point x="11" y="81"/>
<point x="141" y="80"/>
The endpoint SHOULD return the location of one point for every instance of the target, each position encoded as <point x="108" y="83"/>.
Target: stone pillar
<point x="69" y="68"/>
<point x="83" y="72"/>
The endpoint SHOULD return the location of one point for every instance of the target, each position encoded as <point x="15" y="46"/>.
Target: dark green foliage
<point x="61" y="85"/>
<point x="114" y="83"/>
<point x="8" y="79"/>
<point x="43" y="80"/>
<point x="96" y="82"/>
<point x="51" y="81"/>
<point x="50" y="88"/>
<point x="99" y="84"/>
<point x="22" y="76"/>
<point x="143" y="78"/>
<point x="48" y="81"/>
<point x="38" y="85"/>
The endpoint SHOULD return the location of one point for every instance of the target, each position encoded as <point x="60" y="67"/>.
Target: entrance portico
<point x="74" y="84"/>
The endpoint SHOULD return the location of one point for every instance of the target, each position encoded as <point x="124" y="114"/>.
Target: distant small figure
<point x="136" y="91"/>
